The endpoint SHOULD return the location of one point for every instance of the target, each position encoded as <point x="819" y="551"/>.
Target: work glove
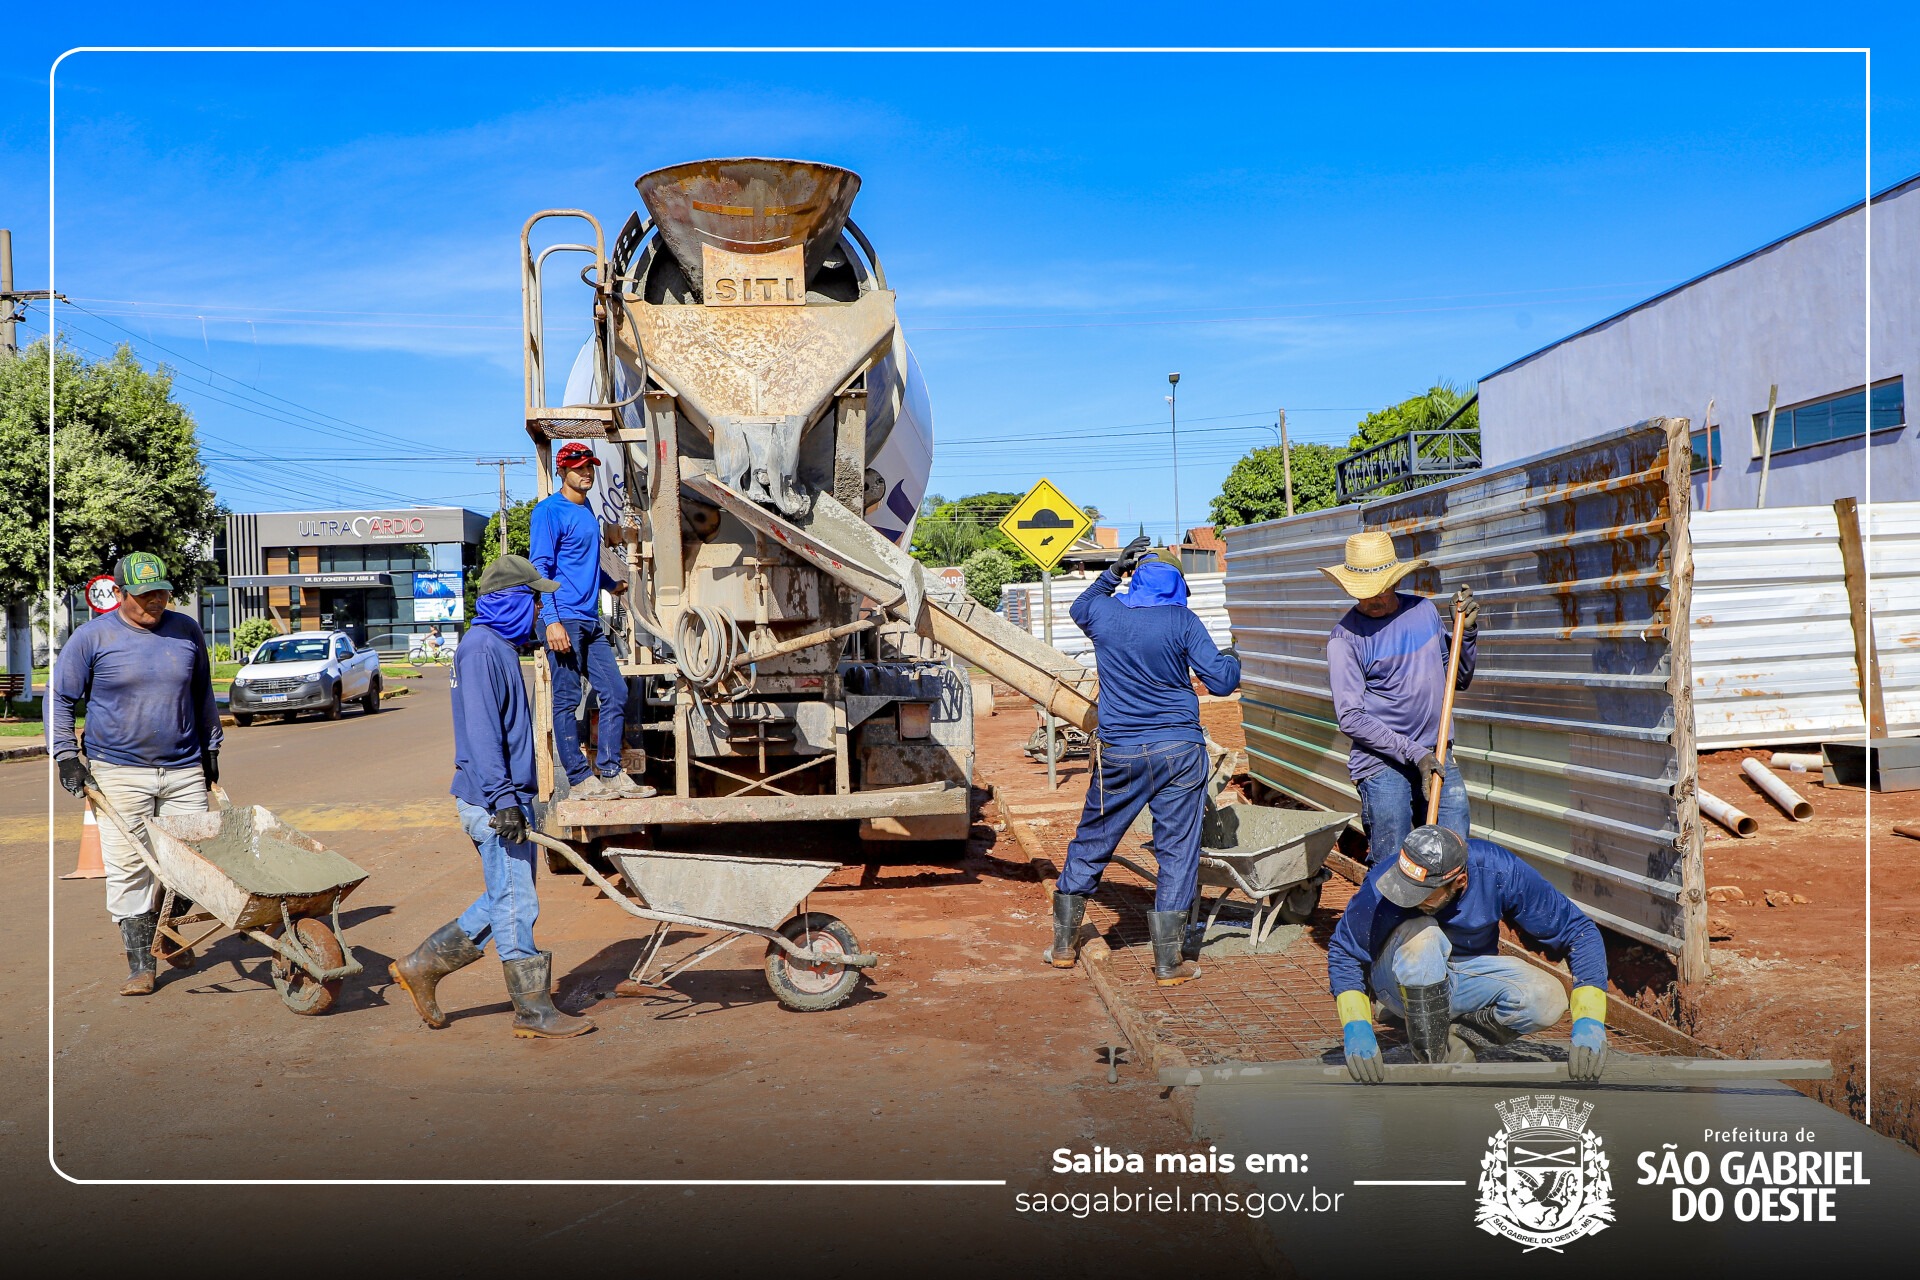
<point x="1135" y="552"/>
<point x="1362" y="1046"/>
<point x="1589" y="1052"/>
<point x="74" y="776"/>
<point x="1428" y="764"/>
<point x="1467" y="608"/>
<point x="210" y="767"/>
<point x="510" y="823"/>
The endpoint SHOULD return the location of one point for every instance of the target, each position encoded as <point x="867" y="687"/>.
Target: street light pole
<point x="1286" y="460"/>
<point x="1173" y="416"/>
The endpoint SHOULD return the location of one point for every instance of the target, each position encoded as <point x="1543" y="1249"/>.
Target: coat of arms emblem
<point x="1544" y="1180"/>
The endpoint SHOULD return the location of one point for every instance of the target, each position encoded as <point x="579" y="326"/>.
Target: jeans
<point x="140" y="793"/>
<point x="1418" y="954"/>
<point x="593" y="654"/>
<point x="506" y="909"/>
<point x="1167" y="778"/>
<point x="1392" y="804"/>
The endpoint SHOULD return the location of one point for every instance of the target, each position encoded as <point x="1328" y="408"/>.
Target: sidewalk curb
<point x="37" y="751"/>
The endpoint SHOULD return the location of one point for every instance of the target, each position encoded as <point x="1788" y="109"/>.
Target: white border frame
<point x="52" y="304"/>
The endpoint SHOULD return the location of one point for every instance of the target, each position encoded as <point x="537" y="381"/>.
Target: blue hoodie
<point x="1144" y="649"/>
<point x="492" y="720"/>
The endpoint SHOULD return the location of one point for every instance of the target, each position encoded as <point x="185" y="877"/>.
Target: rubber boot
<point x="1481" y="1030"/>
<point x="1169" y="932"/>
<point x="530" y="987"/>
<point x="1430" y="1032"/>
<point x="136" y="936"/>
<point x="448" y="948"/>
<point x="1069" y="910"/>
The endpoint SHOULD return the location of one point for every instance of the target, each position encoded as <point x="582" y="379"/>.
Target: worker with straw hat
<point x="1387" y="665"/>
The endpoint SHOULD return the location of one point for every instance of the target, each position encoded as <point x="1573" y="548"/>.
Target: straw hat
<point x="1371" y="565"/>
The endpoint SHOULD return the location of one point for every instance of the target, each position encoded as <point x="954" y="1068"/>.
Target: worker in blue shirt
<point x="1151" y="751"/>
<point x="565" y="538"/>
<point x="1423" y="934"/>
<point x="493" y="789"/>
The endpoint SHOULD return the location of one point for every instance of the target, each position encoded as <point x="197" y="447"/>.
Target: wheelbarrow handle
<point x="125" y="828"/>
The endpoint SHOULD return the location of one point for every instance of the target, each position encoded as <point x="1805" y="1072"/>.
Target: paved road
<point x="961" y="1059"/>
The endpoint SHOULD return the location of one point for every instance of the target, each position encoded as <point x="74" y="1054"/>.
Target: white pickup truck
<point x="306" y="671"/>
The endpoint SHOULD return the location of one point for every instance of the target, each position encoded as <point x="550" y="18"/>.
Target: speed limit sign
<point x="100" y="596"/>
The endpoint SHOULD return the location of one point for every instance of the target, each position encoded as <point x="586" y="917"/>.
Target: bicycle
<point x="421" y="655"/>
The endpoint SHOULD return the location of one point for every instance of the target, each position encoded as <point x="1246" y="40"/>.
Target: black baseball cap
<point x="1430" y="857"/>
<point x="514" y="571"/>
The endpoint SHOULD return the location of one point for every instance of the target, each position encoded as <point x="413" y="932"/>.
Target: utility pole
<point x="19" y="613"/>
<point x="1173" y="415"/>
<point x="503" y="464"/>
<point x="1286" y="460"/>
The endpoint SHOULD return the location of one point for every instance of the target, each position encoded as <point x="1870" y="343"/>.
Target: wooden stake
<point x="1853" y="566"/>
<point x="1446" y="721"/>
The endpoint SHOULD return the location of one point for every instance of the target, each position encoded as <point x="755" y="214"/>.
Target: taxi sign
<point x="100" y="596"/>
<point x="1045" y="524"/>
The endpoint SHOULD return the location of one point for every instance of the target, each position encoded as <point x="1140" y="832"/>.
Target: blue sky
<point x="323" y="245"/>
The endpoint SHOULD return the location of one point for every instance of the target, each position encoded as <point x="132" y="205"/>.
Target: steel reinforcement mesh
<point x="1264" y="1008"/>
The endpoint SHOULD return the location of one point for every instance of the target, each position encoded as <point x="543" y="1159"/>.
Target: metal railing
<point x="1415" y="459"/>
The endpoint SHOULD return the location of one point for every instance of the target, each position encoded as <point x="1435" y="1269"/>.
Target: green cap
<point x="514" y="571"/>
<point x="140" y="573"/>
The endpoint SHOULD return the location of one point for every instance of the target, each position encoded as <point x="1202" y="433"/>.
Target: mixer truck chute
<point x="768" y="443"/>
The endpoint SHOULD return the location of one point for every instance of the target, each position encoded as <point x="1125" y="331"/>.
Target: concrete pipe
<point x="1798" y="761"/>
<point x="1726" y="815"/>
<point x="1777" y="791"/>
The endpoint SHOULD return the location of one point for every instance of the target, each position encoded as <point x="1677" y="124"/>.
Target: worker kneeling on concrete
<point x="493" y="787"/>
<point x="1151" y="751"/>
<point x="1423" y="934"/>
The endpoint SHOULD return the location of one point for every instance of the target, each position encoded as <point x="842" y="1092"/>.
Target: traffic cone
<point x="90" y="866"/>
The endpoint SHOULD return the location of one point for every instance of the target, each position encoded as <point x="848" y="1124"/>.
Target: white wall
<point x="1792" y="314"/>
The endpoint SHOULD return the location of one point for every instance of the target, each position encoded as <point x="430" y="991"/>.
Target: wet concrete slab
<point x="1349" y="1135"/>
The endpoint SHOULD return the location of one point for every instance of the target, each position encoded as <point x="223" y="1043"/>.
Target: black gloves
<point x="1467" y="608"/>
<point x="73" y="775"/>
<point x="210" y="767"/>
<point x="510" y="823"/>
<point x="1135" y="552"/>
<point x="1428" y="764"/>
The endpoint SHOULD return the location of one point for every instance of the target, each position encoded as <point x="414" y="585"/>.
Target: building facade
<point x="380" y="576"/>
<point x="1791" y="315"/>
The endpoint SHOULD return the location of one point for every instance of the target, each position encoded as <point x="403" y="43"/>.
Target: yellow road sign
<point x="1045" y="523"/>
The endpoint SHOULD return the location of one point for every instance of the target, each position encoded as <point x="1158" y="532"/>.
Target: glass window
<point x="1841" y="417"/>
<point x="342" y="559"/>
<point x="1700" y="443"/>
<point x="447" y="555"/>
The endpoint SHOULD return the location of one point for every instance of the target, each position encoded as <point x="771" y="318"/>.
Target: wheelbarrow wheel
<point x="809" y="988"/>
<point x="298" y="989"/>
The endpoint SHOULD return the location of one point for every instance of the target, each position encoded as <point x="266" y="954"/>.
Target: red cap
<point x="576" y="453"/>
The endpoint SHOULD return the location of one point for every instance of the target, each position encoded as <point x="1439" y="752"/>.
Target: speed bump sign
<point x="1045" y="524"/>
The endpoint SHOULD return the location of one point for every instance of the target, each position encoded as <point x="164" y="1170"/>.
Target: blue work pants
<point x="1523" y="997"/>
<point x="506" y="909"/>
<point x="1392" y="804"/>
<point x="1169" y="779"/>
<point x="592" y="655"/>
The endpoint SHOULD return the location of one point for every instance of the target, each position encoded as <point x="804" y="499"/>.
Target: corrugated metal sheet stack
<point x="1572" y="751"/>
<point x="1020" y="604"/>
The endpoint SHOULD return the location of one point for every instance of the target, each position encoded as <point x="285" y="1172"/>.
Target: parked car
<point x="306" y="671"/>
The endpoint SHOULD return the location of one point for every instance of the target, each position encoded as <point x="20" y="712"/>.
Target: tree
<point x="1255" y="489"/>
<point x="519" y="537"/>
<point x="987" y="570"/>
<point x="1423" y="412"/>
<point x="953" y="531"/>
<point x="250" y="635"/>
<point x="126" y="472"/>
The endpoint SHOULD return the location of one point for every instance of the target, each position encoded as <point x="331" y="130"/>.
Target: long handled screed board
<point x="1619" y="1068"/>
<point x="1446" y="723"/>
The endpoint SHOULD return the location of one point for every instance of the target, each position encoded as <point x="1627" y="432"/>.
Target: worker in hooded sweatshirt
<point x="1422" y="933"/>
<point x="493" y="789"/>
<point x="1151" y="751"/>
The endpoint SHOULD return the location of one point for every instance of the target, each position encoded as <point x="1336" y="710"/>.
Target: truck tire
<point x="333" y="708"/>
<point x="371" y="703"/>
<point x="242" y="720"/>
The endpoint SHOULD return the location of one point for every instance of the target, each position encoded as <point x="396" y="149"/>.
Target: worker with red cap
<point x="566" y="549"/>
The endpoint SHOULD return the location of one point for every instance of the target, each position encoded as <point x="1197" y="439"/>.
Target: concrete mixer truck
<point x="766" y="442"/>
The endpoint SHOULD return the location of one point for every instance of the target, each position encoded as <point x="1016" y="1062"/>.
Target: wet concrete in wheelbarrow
<point x="960" y="1058"/>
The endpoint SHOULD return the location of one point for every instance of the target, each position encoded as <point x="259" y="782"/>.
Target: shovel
<point x="1446" y="722"/>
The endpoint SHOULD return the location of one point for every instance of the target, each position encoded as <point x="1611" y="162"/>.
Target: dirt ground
<point x="961" y="1058"/>
<point x="1789" y="980"/>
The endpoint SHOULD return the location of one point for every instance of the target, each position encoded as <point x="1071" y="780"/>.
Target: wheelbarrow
<point x="1276" y="857"/>
<point x="813" y="961"/>
<point x="242" y="870"/>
